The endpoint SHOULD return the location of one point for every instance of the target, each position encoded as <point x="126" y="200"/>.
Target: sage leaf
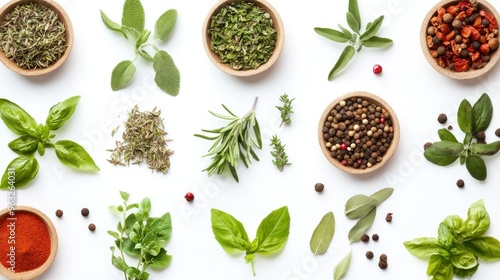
<point x="167" y="75"/>
<point x="165" y="25"/>
<point x="372" y="29"/>
<point x="377" y="42"/>
<point x="273" y="232"/>
<point x="476" y="167"/>
<point x="485" y="149"/>
<point x="323" y="234"/>
<point x="443" y="152"/>
<point x="440" y="268"/>
<point x="133" y="36"/>
<point x="332" y="34"/>
<point x="60" y="113"/>
<point x="477" y="222"/>
<point x="484" y="247"/>
<point x="22" y="169"/>
<point x="110" y="24"/>
<point x="424" y="247"/>
<point x="359" y="205"/>
<point x="382" y="195"/>
<point x="353" y="8"/>
<point x="143" y="38"/>
<point x="346" y="56"/>
<point x="346" y="32"/>
<point x="229" y="232"/>
<point x="352" y="22"/>
<point x="16" y="119"/>
<point x="446" y="135"/>
<point x="483" y="113"/>
<point x="133" y="14"/>
<point x="342" y="267"/>
<point x="144" y="54"/>
<point x="465" y="117"/>
<point x="122" y="74"/>
<point x="73" y="155"/>
<point x="24" y="145"/>
<point x="361" y="226"/>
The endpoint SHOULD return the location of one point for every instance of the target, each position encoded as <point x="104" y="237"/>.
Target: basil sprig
<point x="355" y="38"/>
<point x="459" y="245"/>
<point x="472" y="119"/>
<point x="35" y="137"/>
<point x="271" y="236"/>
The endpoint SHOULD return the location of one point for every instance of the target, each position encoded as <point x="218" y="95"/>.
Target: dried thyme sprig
<point x="285" y="109"/>
<point x="33" y="36"/>
<point x="279" y="154"/>
<point x="233" y="142"/>
<point x="143" y="140"/>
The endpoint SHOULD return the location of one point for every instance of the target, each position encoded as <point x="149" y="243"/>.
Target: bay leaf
<point x="323" y="234"/>
<point x="361" y="226"/>
<point x="359" y="205"/>
<point x="341" y="268"/>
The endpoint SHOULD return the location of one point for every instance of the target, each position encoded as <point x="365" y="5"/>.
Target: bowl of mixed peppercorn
<point x="358" y="132"/>
<point x="243" y="37"/>
<point x="460" y="38"/>
<point x="36" y="36"/>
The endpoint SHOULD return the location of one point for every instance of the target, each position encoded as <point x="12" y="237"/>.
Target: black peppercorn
<point x="319" y="187"/>
<point x="59" y="213"/>
<point x="369" y="255"/>
<point x="460" y="183"/>
<point x="375" y="237"/>
<point x="91" y="227"/>
<point x="497" y="132"/>
<point x="388" y="217"/>
<point x="464" y="53"/>
<point x="382" y="264"/>
<point x="85" y="212"/>
<point x="480" y="136"/>
<point x="427" y="145"/>
<point x="442" y="118"/>
<point x="383" y="257"/>
<point x="476" y="45"/>
<point x="365" y="238"/>
<point x="450" y="127"/>
<point x="436" y="40"/>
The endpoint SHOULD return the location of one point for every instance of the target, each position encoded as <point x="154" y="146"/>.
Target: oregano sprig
<point x="167" y="76"/>
<point x="285" y="109"/>
<point x="355" y="39"/>
<point x="278" y="153"/>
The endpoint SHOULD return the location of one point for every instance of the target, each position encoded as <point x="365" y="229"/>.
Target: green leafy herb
<point x="35" y="137"/>
<point x="472" y="119"/>
<point x="167" y="76"/>
<point x="323" y="234"/>
<point x="285" y="109"/>
<point x="357" y="40"/>
<point x="342" y="267"/>
<point x="271" y="235"/>
<point x="140" y="237"/>
<point x="233" y="142"/>
<point x="279" y="154"/>
<point x="459" y="245"/>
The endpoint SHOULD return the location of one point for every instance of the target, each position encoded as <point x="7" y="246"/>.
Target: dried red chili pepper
<point x="460" y="64"/>
<point x="493" y="22"/>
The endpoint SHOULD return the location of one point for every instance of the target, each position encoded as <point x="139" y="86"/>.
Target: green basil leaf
<point x="465" y="273"/>
<point x="477" y="222"/>
<point x="110" y="24"/>
<point x="41" y="149"/>
<point x="133" y="14"/>
<point x="484" y="247"/>
<point x="359" y="206"/>
<point x="342" y="267"/>
<point x="361" y="226"/>
<point x="160" y="261"/>
<point x="454" y="223"/>
<point x="16" y="119"/>
<point x="443" y="152"/>
<point x="19" y="173"/>
<point x="377" y="42"/>
<point x="485" y="149"/>
<point x="73" y="155"/>
<point x="273" y="232"/>
<point x="229" y="232"/>
<point x="476" y="167"/>
<point x="346" y="56"/>
<point x="440" y="268"/>
<point x="167" y="75"/>
<point x="353" y="8"/>
<point x="165" y="24"/>
<point x="60" y="113"/>
<point x="352" y="22"/>
<point x="332" y="34"/>
<point x="323" y="234"/>
<point x="462" y="258"/>
<point x="372" y="29"/>
<point x="465" y="117"/>
<point x="24" y="145"/>
<point x="382" y="195"/>
<point x="445" y="237"/>
<point x="423" y="247"/>
<point x="446" y="135"/>
<point x="122" y="74"/>
<point x="483" y="112"/>
<point x="346" y="32"/>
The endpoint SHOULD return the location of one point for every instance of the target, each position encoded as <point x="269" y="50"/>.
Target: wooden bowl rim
<point x="392" y="148"/>
<point x="26" y="275"/>
<point x="470" y="74"/>
<point x="63" y="16"/>
<point x="278" y="26"/>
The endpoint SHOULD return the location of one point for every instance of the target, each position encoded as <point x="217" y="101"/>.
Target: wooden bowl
<point x="278" y="26"/>
<point x="31" y="274"/>
<point x="391" y="121"/>
<point x="63" y="17"/>
<point x="465" y="75"/>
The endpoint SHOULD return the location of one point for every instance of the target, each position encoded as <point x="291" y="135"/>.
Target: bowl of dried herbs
<point x="459" y="38"/>
<point x="36" y="36"/>
<point x="243" y="37"/>
<point x="358" y="132"/>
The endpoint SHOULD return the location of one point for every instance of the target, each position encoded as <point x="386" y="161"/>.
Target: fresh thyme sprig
<point x="279" y="154"/>
<point x="233" y="142"/>
<point x="285" y="109"/>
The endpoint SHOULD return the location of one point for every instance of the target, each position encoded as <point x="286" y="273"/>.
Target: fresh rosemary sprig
<point x="233" y="142"/>
<point x="285" y="109"/>
<point x="279" y="154"/>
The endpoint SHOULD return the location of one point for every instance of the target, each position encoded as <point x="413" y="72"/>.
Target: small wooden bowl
<point x="63" y="17"/>
<point x="27" y="275"/>
<point x="390" y="150"/>
<point x="471" y="73"/>
<point x="280" y="40"/>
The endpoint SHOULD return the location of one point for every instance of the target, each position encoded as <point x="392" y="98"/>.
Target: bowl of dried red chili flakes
<point x="460" y="38"/>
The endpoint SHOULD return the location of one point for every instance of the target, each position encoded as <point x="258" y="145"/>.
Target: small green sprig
<point x="278" y="152"/>
<point x="355" y="39"/>
<point x="167" y="76"/>
<point x="285" y="109"/>
<point x="233" y="142"/>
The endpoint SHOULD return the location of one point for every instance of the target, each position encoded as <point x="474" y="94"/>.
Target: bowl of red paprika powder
<point x="28" y="243"/>
<point x="460" y="38"/>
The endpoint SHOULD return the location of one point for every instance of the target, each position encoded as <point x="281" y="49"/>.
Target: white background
<point x="424" y="193"/>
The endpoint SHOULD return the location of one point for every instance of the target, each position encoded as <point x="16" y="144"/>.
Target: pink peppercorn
<point x="377" y="69"/>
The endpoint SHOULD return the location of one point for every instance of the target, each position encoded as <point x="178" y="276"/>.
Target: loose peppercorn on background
<point x="424" y="194"/>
